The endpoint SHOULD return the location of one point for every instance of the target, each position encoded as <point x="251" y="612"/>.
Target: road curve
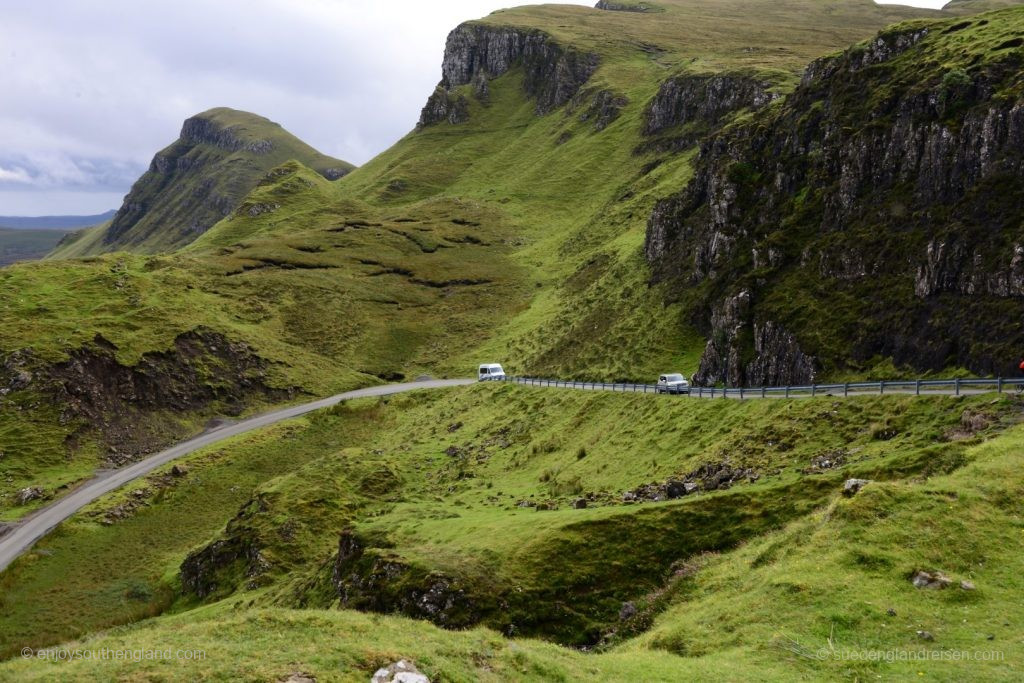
<point x="25" y="534"/>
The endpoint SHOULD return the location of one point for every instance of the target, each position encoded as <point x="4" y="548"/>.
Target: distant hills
<point x="54" y="222"/>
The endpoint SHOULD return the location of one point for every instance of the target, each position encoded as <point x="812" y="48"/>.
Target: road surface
<point x="25" y="534"/>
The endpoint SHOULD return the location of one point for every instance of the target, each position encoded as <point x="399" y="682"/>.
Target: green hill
<point x="585" y="194"/>
<point x="219" y="158"/>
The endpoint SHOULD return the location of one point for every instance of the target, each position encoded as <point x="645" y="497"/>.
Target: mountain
<point x="872" y="213"/>
<point x="54" y="222"/>
<point x="218" y="159"/>
<point x="740" y="190"/>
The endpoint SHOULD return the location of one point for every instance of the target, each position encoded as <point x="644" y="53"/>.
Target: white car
<point x="673" y="384"/>
<point x="490" y="372"/>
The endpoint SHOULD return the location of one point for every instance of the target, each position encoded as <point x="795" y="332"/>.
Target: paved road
<point x="25" y="534"/>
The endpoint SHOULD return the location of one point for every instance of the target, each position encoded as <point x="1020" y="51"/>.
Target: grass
<point x="511" y="238"/>
<point x="770" y="571"/>
<point x="381" y="467"/>
<point x="486" y="241"/>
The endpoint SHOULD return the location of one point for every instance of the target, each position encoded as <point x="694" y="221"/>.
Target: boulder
<point x="852" y="486"/>
<point x="27" y="495"/>
<point x="933" y="580"/>
<point x="579" y="503"/>
<point x="676" y="489"/>
<point x="402" y="671"/>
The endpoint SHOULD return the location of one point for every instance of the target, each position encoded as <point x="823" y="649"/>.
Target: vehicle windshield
<point x="674" y="378"/>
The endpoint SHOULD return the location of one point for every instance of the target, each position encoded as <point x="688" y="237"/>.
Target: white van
<point x="490" y="371"/>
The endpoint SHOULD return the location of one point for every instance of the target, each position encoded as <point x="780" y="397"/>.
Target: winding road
<point x="31" y="529"/>
<point x="27" y="532"/>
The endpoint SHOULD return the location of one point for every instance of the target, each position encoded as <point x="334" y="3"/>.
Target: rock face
<point x="370" y="580"/>
<point x="220" y="156"/>
<point x="623" y="6"/>
<point x="875" y="212"/>
<point x="476" y="53"/>
<point x="121" y="403"/>
<point x="704" y="99"/>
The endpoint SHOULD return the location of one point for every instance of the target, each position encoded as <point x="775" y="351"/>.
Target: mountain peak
<point x="219" y="157"/>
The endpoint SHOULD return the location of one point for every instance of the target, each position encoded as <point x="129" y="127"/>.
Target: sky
<point x="93" y="88"/>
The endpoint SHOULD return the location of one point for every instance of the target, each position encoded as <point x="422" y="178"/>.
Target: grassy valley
<point x="502" y="532"/>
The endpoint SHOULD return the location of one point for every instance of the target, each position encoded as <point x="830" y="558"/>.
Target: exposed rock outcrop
<point x="369" y="579"/>
<point x="624" y="6"/>
<point x="476" y="53"/>
<point x="122" y="404"/>
<point x="875" y="211"/>
<point x="704" y="99"/>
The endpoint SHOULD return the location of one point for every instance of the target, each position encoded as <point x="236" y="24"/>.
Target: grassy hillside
<point x="219" y="158"/>
<point x="526" y="517"/>
<point x="756" y="576"/>
<point x="510" y="237"/>
<point x="26" y="244"/>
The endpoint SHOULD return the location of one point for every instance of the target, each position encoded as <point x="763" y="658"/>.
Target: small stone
<point x="675" y="489"/>
<point x="628" y="611"/>
<point x="579" y="503"/>
<point x="691" y="487"/>
<point x="628" y="497"/>
<point x="925" y="635"/>
<point x="930" y="579"/>
<point x="178" y="471"/>
<point x="299" y="677"/>
<point x="891" y="612"/>
<point x="27" y="495"/>
<point x="990" y="636"/>
<point x="852" y="486"/>
<point x="402" y="671"/>
<point x="967" y="585"/>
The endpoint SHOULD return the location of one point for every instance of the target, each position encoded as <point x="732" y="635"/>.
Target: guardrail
<point x="917" y="387"/>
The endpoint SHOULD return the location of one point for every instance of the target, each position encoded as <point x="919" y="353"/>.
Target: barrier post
<point x="917" y="388"/>
<point x="846" y="389"/>
<point x="999" y="383"/>
<point x="787" y="392"/>
<point x="956" y="382"/>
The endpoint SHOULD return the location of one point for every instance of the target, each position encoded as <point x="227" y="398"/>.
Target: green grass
<point x="511" y="238"/>
<point x="381" y="468"/>
<point x="486" y="241"/>
<point x="792" y="563"/>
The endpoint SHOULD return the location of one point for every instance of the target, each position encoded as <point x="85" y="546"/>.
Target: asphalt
<point x="25" y="533"/>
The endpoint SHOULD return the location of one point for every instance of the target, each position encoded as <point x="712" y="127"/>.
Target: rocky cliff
<point x="875" y="213"/>
<point x="218" y="159"/>
<point x="476" y="53"/>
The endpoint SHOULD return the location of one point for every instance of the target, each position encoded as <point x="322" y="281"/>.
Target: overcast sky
<point x="92" y="89"/>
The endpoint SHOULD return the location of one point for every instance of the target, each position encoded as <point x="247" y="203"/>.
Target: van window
<point x="484" y="371"/>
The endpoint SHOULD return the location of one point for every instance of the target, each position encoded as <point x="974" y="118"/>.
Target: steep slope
<point x="511" y="225"/>
<point x="874" y="213"/>
<point x="514" y="235"/>
<point x="202" y="177"/>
